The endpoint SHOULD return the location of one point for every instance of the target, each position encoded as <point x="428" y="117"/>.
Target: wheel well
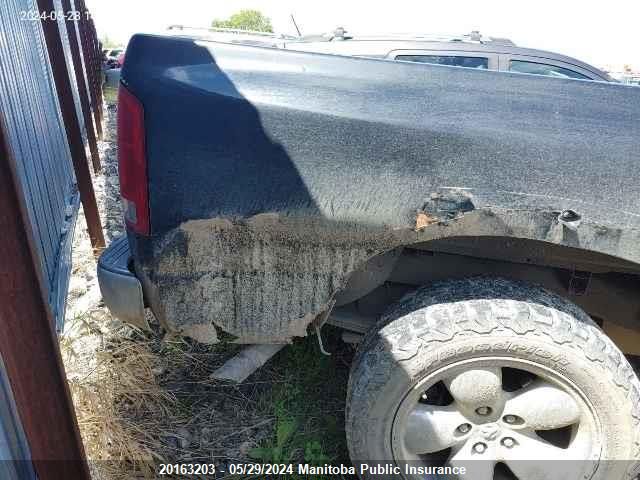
<point x="604" y="286"/>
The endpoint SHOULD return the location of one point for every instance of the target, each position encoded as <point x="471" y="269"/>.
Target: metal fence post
<point x="82" y="86"/>
<point x="28" y="343"/>
<point x="92" y="69"/>
<point x="72" y="124"/>
<point x="98" y="62"/>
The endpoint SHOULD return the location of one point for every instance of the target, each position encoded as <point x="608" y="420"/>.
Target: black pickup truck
<point x="479" y="228"/>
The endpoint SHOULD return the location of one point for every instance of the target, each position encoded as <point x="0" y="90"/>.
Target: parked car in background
<point x="471" y="209"/>
<point x="631" y="79"/>
<point x="111" y="57"/>
<point x="471" y="50"/>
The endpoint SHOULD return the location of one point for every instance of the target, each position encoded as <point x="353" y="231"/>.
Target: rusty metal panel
<point x="37" y="140"/>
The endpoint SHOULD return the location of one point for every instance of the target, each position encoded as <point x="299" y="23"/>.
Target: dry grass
<point x="143" y="399"/>
<point x="117" y="380"/>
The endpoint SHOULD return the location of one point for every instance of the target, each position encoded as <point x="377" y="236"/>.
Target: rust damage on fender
<point x="443" y="206"/>
<point x="265" y="279"/>
<point x="423" y="220"/>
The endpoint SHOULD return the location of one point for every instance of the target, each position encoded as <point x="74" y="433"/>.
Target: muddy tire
<point x="493" y="370"/>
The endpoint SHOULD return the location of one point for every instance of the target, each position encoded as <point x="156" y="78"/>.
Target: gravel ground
<point x="144" y="398"/>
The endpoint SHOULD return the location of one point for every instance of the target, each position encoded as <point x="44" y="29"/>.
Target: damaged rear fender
<point x="266" y="278"/>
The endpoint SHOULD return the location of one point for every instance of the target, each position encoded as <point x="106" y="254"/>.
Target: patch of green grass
<point x="307" y="401"/>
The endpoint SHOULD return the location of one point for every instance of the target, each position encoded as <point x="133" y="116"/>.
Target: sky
<point x="602" y="33"/>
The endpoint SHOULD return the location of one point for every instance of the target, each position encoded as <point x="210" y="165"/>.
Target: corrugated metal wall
<point x="45" y="128"/>
<point x="33" y="122"/>
<point x="14" y="451"/>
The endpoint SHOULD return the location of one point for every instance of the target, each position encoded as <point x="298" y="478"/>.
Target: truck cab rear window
<point x="534" y="68"/>
<point x="450" y="60"/>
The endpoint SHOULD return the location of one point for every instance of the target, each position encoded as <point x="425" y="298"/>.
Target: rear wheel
<point x="493" y="376"/>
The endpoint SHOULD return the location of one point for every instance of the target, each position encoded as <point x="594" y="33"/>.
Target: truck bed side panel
<point x="274" y="174"/>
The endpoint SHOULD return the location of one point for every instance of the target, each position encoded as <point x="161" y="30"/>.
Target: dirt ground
<point x="145" y="398"/>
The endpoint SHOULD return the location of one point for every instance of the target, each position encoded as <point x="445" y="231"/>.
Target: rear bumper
<point x="121" y="289"/>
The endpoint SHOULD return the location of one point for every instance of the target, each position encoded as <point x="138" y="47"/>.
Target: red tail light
<point x="132" y="162"/>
